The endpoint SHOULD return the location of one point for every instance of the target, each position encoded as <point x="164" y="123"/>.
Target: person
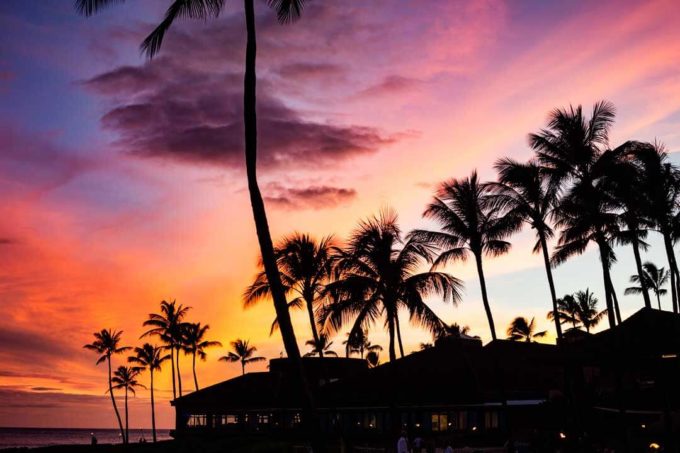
<point x="93" y="439"/>
<point x="402" y="443"/>
<point x="449" y="449"/>
<point x="418" y="444"/>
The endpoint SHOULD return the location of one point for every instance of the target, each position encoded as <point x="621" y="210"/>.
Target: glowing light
<point x="643" y="426"/>
<point x="654" y="446"/>
<point x="474" y="428"/>
<point x="562" y="435"/>
<point x="669" y="356"/>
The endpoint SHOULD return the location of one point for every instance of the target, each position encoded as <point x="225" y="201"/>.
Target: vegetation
<point x="150" y="357"/>
<point x="320" y="346"/>
<point x="242" y="352"/>
<point x="195" y="343"/>
<point x="521" y="329"/>
<point x="125" y="378"/>
<point x="653" y="278"/>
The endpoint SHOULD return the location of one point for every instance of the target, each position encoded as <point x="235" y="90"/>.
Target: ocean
<point x="43" y="437"/>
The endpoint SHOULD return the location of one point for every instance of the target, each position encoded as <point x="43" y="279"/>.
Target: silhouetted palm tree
<point x="168" y="325"/>
<point x="567" y="311"/>
<point x="376" y="278"/>
<point x="150" y="357"/>
<point x="469" y="223"/>
<point x="320" y="347"/>
<point x="242" y="352"/>
<point x="359" y="343"/>
<point x="305" y="268"/>
<point x="125" y="377"/>
<point x="573" y="150"/>
<point x="425" y="345"/>
<point x="107" y="343"/>
<point x="655" y="278"/>
<point x="525" y="189"/>
<point x="195" y="344"/>
<point x="287" y="11"/>
<point x="456" y="330"/>
<point x="373" y="359"/>
<point x="521" y="329"/>
<point x="588" y="315"/>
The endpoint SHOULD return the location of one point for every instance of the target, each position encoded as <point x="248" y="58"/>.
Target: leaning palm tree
<point x="242" y="352"/>
<point x="169" y="326"/>
<point x="320" y="346"/>
<point x="526" y="190"/>
<point x="287" y="11"/>
<point x="195" y="344"/>
<point x="654" y="278"/>
<point x="305" y="268"/>
<point x="588" y="314"/>
<point x="572" y="150"/>
<point x="107" y="343"/>
<point x="567" y="311"/>
<point x="377" y="276"/>
<point x="521" y="329"/>
<point x="469" y="223"/>
<point x="150" y="357"/>
<point x="125" y="377"/>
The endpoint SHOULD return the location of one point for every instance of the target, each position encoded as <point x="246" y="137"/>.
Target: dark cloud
<point x="7" y="241"/>
<point x="313" y="197"/>
<point x="390" y="85"/>
<point x="31" y="347"/>
<point x="45" y="389"/>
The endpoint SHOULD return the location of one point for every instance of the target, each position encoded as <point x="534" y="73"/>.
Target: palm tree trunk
<point x="485" y="299"/>
<point x="127" y="418"/>
<point x="615" y="299"/>
<point x="153" y="409"/>
<point x="398" y="329"/>
<point x="638" y="264"/>
<point x="551" y="284"/>
<point x="193" y="366"/>
<point x="672" y="264"/>
<point x="243" y="368"/>
<point x="113" y="401"/>
<point x="179" y="376"/>
<point x="607" y="288"/>
<point x="312" y="323"/>
<point x="172" y="365"/>
<point x="390" y="330"/>
<point x="658" y="299"/>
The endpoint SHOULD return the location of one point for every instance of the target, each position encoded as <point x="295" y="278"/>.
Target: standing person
<point x="402" y="443"/>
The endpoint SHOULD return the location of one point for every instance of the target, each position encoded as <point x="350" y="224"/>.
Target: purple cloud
<point x="312" y="197"/>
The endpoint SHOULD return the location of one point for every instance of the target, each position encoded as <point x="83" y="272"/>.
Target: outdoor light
<point x="562" y="435"/>
<point x="669" y="356"/>
<point x="643" y="426"/>
<point x="417" y="425"/>
<point x="654" y="446"/>
<point x="474" y="428"/>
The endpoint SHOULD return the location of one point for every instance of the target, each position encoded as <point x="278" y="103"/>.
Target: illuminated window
<point x="491" y="420"/>
<point x="263" y="419"/>
<point x="196" y="420"/>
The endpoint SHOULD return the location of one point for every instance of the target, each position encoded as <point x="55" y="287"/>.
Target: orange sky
<point x="122" y="180"/>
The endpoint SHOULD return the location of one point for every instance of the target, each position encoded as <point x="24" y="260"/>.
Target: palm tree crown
<point x="151" y="358"/>
<point x="523" y="330"/>
<point x="241" y="351"/>
<point x="107" y="343"/>
<point x="655" y="279"/>
<point x="195" y="344"/>
<point x="588" y="314"/>
<point x="320" y="346"/>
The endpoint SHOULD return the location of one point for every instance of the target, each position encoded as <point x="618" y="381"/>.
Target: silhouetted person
<point x="402" y="443"/>
<point x="93" y="439"/>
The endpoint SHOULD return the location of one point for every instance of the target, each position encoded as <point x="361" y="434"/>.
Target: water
<point x="43" y="437"/>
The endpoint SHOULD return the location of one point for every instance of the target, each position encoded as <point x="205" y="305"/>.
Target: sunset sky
<point x="122" y="180"/>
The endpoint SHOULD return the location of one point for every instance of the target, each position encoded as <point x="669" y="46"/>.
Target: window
<point x="440" y="422"/>
<point x="228" y="419"/>
<point x="491" y="420"/>
<point x="263" y="419"/>
<point x="196" y="420"/>
<point x="458" y="420"/>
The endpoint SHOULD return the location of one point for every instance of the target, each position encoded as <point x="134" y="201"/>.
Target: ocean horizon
<point x="45" y="437"/>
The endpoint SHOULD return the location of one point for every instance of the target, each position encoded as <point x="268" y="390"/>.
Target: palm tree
<point x="359" y="343"/>
<point x="521" y="329"/>
<point x="320" y="347"/>
<point x="150" y="357"/>
<point x="588" y="314"/>
<point x="470" y="223"/>
<point x="168" y="325"/>
<point x="107" y="343"/>
<point x="653" y="277"/>
<point x="125" y="377"/>
<point x="305" y="268"/>
<point x="195" y="344"/>
<point x="287" y="11"/>
<point x="567" y="311"/>
<point x="456" y="330"/>
<point x="526" y="190"/>
<point x="373" y="359"/>
<point x="572" y="149"/>
<point x="242" y="352"/>
<point x="376" y="276"/>
<point x="424" y="346"/>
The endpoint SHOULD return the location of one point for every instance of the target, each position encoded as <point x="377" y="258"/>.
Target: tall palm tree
<point x="150" y="357"/>
<point x="521" y="329"/>
<point x="360" y="344"/>
<point x="588" y="314"/>
<point x="567" y="311"/>
<point x="573" y="150"/>
<point x="660" y="182"/>
<point x="168" y="325"/>
<point x="653" y="277"/>
<point x="287" y="11"/>
<point x="125" y="377"/>
<point x="242" y="352"/>
<point x="469" y="223"/>
<point x="377" y="276"/>
<point x="107" y="343"/>
<point x="320" y="346"/>
<point x="195" y="344"/>
<point x="305" y="268"/>
<point x="526" y="190"/>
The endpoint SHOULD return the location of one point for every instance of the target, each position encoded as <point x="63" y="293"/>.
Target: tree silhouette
<point x="168" y="325"/>
<point x="373" y="359"/>
<point x="377" y="276"/>
<point x="195" y="344"/>
<point x="469" y="223"/>
<point x="150" y="357"/>
<point x="588" y="314"/>
<point x="320" y="346"/>
<point x="305" y="267"/>
<point x="567" y="311"/>
<point x="242" y="352"/>
<point x="653" y="277"/>
<point x="107" y="343"/>
<point x="521" y="329"/>
<point x="359" y="343"/>
<point x="526" y="190"/>
<point x="125" y="378"/>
